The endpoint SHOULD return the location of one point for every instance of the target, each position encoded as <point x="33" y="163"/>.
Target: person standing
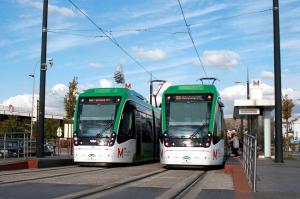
<point x="235" y="145"/>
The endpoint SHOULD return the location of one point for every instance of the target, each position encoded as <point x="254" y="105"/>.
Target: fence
<point x="25" y="147"/>
<point x="249" y="159"/>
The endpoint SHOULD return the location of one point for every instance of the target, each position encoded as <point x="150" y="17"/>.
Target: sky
<point x="230" y="36"/>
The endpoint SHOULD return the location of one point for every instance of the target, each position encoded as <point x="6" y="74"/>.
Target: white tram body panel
<point x="119" y="153"/>
<point x="213" y="155"/>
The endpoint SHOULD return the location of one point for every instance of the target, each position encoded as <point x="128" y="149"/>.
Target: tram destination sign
<point x="99" y="100"/>
<point x="198" y="97"/>
<point x="249" y="111"/>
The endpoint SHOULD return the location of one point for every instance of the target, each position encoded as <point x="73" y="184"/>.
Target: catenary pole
<point x="151" y="89"/>
<point x="40" y="144"/>
<point x="277" y="79"/>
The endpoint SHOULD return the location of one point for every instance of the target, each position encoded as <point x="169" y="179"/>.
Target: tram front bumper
<point x="186" y="157"/>
<point x="93" y="154"/>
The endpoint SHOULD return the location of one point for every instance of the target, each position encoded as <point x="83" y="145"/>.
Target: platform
<point x="33" y="162"/>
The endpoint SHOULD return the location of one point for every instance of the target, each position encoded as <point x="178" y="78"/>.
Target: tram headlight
<point x="167" y="144"/>
<point x="75" y="141"/>
<point x="112" y="139"/>
<point x="207" y="143"/>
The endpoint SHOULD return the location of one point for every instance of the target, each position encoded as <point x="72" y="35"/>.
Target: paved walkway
<point x="278" y="180"/>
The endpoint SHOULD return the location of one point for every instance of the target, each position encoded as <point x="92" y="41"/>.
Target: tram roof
<point x="193" y="88"/>
<point x="112" y="92"/>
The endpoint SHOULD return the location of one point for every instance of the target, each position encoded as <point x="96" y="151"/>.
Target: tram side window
<point x="157" y="126"/>
<point x="217" y="126"/>
<point x="138" y="124"/>
<point x="127" y="124"/>
<point x="223" y="129"/>
<point x="147" y="136"/>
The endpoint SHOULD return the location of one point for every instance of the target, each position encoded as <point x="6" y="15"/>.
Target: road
<point x="150" y="180"/>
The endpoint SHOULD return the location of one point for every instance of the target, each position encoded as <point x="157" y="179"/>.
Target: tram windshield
<point x="96" y="117"/>
<point x="188" y="115"/>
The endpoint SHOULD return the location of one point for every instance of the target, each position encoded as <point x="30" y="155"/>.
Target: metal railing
<point x="24" y="147"/>
<point x="249" y="159"/>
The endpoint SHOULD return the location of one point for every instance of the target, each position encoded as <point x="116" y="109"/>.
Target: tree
<point x="14" y="124"/>
<point x="287" y="109"/>
<point x="70" y="98"/>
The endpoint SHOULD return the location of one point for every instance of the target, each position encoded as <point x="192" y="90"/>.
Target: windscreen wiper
<point x="107" y="126"/>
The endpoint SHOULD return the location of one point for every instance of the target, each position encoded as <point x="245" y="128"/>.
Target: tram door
<point x="138" y="126"/>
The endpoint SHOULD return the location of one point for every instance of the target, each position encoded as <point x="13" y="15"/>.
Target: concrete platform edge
<point x="35" y="163"/>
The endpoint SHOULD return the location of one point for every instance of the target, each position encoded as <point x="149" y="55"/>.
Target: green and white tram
<point x="115" y="125"/>
<point x="193" y="131"/>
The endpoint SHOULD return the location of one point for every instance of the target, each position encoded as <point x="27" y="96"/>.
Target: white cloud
<point x="65" y="42"/>
<point x="64" y="11"/>
<point x="291" y="44"/>
<point x="26" y="22"/>
<point x="220" y="59"/>
<point x="266" y="75"/>
<point x="95" y="65"/>
<point x="20" y="101"/>
<point x="231" y="93"/>
<point x="240" y="92"/>
<point x="59" y="88"/>
<point x="54" y="99"/>
<point x="293" y="94"/>
<point x="234" y="92"/>
<point x="155" y="54"/>
<point x="104" y="83"/>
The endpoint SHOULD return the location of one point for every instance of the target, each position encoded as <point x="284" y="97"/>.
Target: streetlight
<point x="32" y="104"/>
<point x="248" y="97"/>
<point x="33" y="76"/>
<point x="247" y="83"/>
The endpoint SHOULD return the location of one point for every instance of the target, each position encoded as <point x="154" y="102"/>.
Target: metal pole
<point x="277" y="79"/>
<point x="24" y="145"/>
<point x="248" y="89"/>
<point x="32" y="104"/>
<point x="40" y="145"/>
<point x="255" y="165"/>
<point x="248" y="97"/>
<point x="4" y="153"/>
<point x="151" y="89"/>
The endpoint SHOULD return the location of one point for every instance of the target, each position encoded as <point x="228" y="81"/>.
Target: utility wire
<point x="148" y="30"/>
<point x="111" y="38"/>
<point x="191" y="37"/>
<point x="121" y="30"/>
<point x="75" y="34"/>
<point x="234" y="16"/>
<point x="152" y="29"/>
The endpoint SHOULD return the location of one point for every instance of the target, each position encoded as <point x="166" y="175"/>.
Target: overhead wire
<point x="147" y="30"/>
<point x="122" y="30"/>
<point x="191" y="37"/>
<point x="75" y="34"/>
<point x="111" y="38"/>
<point x="234" y="16"/>
<point x="153" y="29"/>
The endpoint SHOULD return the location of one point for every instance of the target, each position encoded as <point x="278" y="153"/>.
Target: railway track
<point x="183" y="190"/>
<point x="166" y="183"/>
<point x="177" y="191"/>
<point x="30" y="179"/>
<point x="94" y="191"/>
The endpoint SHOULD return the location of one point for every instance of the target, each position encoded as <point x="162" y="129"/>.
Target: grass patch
<point x="289" y="157"/>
